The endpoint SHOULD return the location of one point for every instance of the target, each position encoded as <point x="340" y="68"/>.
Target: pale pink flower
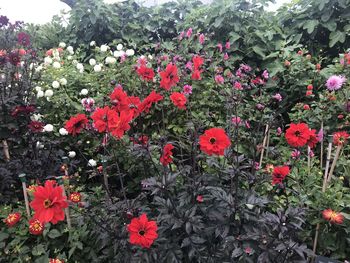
<point x="188" y="65"/>
<point x="320" y="135"/>
<point x="219" y="79"/>
<point x="228" y="45"/>
<point x="335" y="82"/>
<point x="279" y="131"/>
<point x="201" y="39"/>
<point x="226" y="57"/>
<point x="187" y="90"/>
<point x="181" y="36"/>
<point x="237" y="85"/>
<point x="189" y="32"/>
<point x="265" y="74"/>
<point x="277" y="97"/>
<point x="236" y="120"/>
<point x="295" y="154"/>
<point x="88" y="104"/>
<point x="219" y="46"/>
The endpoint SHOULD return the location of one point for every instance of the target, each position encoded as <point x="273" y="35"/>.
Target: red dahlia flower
<point x="169" y="77"/>
<point x="119" y="98"/>
<point x="167" y="156"/>
<point x="279" y="173"/>
<point x="145" y="73"/>
<point x="340" y="138"/>
<point x="36" y="126"/>
<point x="76" y="123"/>
<point x="214" y="141"/>
<point x="75" y="197"/>
<point x="14" y="57"/>
<point x="179" y="100"/>
<point x="23" y="39"/>
<point x="35" y="227"/>
<point x="49" y="202"/>
<point x="104" y="119"/>
<point x="312" y="139"/>
<point x="197" y="62"/>
<point x="146" y="104"/>
<point x="12" y="219"/>
<point x="142" y="232"/>
<point x="332" y="216"/>
<point x="298" y="135"/>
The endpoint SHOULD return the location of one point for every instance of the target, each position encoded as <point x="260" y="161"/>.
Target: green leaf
<point x="3" y="236"/>
<point x="218" y="21"/>
<point x="38" y="250"/>
<point x="54" y="233"/>
<point x="258" y="51"/>
<point x="335" y="37"/>
<point x="310" y="25"/>
<point x="331" y="25"/>
<point x="234" y="37"/>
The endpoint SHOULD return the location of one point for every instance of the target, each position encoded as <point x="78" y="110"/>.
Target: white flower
<point x="47" y="60"/>
<point x="63" y="131"/>
<point x="84" y="92"/>
<point x="62" y="44"/>
<point x="31" y="66"/>
<point x="48" y="93"/>
<point x="80" y="67"/>
<point x="92" y="43"/>
<point x="39" y="68"/>
<point x="92" y="163"/>
<point x="56" y="64"/>
<point x="36" y="117"/>
<point x="92" y="62"/>
<point x="71" y="154"/>
<point x="48" y="128"/>
<point x="69" y="57"/>
<point x="97" y="68"/>
<point x="104" y="48"/>
<point x="110" y="60"/>
<point x="119" y="47"/>
<point x="40" y="94"/>
<point x="150" y="57"/>
<point x="63" y="81"/>
<point x="130" y="52"/>
<point x="55" y="84"/>
<point x="37" y="88"/>
<point x="39" y="145"/>
<point x="70" y="50"/>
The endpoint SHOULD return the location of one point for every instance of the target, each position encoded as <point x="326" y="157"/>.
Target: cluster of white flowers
<point x="63" y="131"/>
<point x="110" y="60"/>
<point x="48" y="128"/>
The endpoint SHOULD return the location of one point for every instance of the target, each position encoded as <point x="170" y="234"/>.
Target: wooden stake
<point x="263" y="146"/>
<point x="268" y="143"/>
<point x="336" y="157"/>
<point x="6" y="150"/>
<point x="321" y="157"/>
<point x="308" y="160"/>
<point x="22" y="177"/>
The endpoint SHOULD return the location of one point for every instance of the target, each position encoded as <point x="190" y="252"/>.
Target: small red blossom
<point x="297" y="135"/>
<point x="76" y="123"/>
<point x="49" y="203"/>
<point x="309" y="87"/>
<point x="332" y="216"/>
<point x="75" y="197"/>
<point x="306" y="107"/>
<point x="23" y="39"/>
<point x="199" y="198"/>
<point x="12" y="219"/>
<point x="119" y="98"/>
<point x="35" y="227"/>
<point x="169" y="77"/>
<point x="179" y="100"/>
<point x="279" y="173"/>
<point x="145" y="73"/>
<point x="36" y="126"/>
<point x="308" y="93"/>
<point x="147" y="103"/>
<point x="312" y="141"/>
<point x="167" y="156"/>
<point x="143" y="140"/>
<point x="340" y="138"/>
<point x="56" y="260"/>
<point x="196" y="74"/>
<point x="214" y="141"/>
<point x="142" y="231"/>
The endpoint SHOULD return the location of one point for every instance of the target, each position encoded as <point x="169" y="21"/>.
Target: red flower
<point x="76" y="123"/>
<point x="104" y="119"/>
<point x="308" y="93"/>
<point x="312" y="139"/>
<point x="196" y="75"/>
<point x="75" y="197"/>
<point x="169" y="77"/>
<point x="143" y="140"/>
<point x="167" y="156"/>
<point x="146" y="104"/>
<point x="49" y="202"/>
<point x="332" y="216"/>
<point x="145" y="73"/>
<point x="279" y="173"/>
<point x="197" y="62"/>
<point x="55" y="260"/>
<point x="122" y="124"/>
<point x="214" y="141"/>
<point x="297" y="135"/>
<point x="133" y="104"/>
<point x="36" y="126"/>
<point x="340" y="138"/>
<point x="12" y="219"/>
<point x="199" y="198"/>
<point x="119" y="98"/>
<point x="310" y="87"/>
<point x="22" y="110"/>
<point x="179" y="100"/>
<point x="23" y="39"/>
<point x="142" y="232"/>
<point x="14" y="57"/>
<point x="35" y="227"/>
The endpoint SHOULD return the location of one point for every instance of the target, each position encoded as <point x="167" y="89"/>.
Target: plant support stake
<point x="6" y="150"/>
<point x="263" y="146"/>
<point x="22" y="177"/>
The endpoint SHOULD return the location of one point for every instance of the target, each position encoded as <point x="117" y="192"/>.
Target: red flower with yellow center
<point x="49" y="203"/>
<point x="169" y="77"/>
<point x="142" y="232"/>
<point x="214" y="141"/>
<point x="31" y="189"/>
<point x="340" y="138"/>
<point x="179" y="100"/>
<point x="12" y="219"/>
<point x="332" y="216"/>
<point x="76" y="123"/>
<point x="297" y="135"/>
<point x="279" y="173"/>
<point x="35" y="227"/>
<point x="75" y="197"/>
<point x="167" y="156"/>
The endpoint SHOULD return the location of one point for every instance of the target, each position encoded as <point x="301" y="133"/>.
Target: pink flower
<point x="279" y="131"/>
<point x="88" y="104"/>
<point x="219" y="46"/>
<point x="245" y="67"/>
<point x="320" y="135"/>
<point x="295" y="154"/>
<point x="247" y="124"/>
<point x="226" y="57"/>
<point x="181" y="36"/>
<point x="187" y="90"/>
<point x="311" y="153"/>
<point x="277" y="97"/>
<point x="236" y="120"/>
<point x="189" y="32"/>
<point x="189" y="65"/>
<point x="239" y="73"/>
<point x="335" y="82"/>
<point x="228" y="45"/>
<point x="248" y="250"/>
<point x="265" y="74"/>
<point x="237" y="85"/>
<point x="219" y="79"/>
<point x="201" y="39"/>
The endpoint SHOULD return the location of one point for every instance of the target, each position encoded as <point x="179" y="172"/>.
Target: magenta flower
<point x="311" y="153"/>
<point x="187" y="90"/>
<point x="335" y="82"/>
<point x="226" y="57"/>
<point x="277" y="97"/>
<point x="237" y="85"/>
<point x="201" y="39"/>
<point x="219" y="46"/>
<point x="265" y="74"/>
<point x="236" y="120"/>
<point x="23" y="39"/>
<point x="88" y="104"/>
<point x="247" y="124"/>
<point x="295" y="154"/>
<point x="279" y="131"/>
<point x="245" y="67"/>
<point x="219" y="79"/>
<point x="181" y="36"/>
<point x="189" y="33"/>
<point x="189" y="65"/>
<point x="228" y="45"/>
